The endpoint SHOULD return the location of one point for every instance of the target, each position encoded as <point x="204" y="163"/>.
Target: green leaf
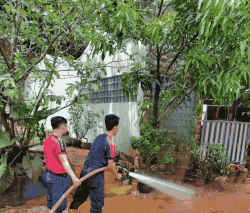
<point x="104" y="47"/>
<point x="242" y="47"/>
<point x="202" y="28"/>
<point x="207" y="30"/>
<point x="17" y="75"/>
<point x="186" y="67"/>
<point x="14" y="140"/>
<point x="248" y="54"/>
<point x="156" y="38"/>
<point x="33" y="168"/>
<point x="6" y="180"/>
<point x="95" y="87"/>
<point x="4" y="140"/>
<point x="120" y="26"/>
<point x="198" y="16"/>
<point x="56" y="73"/>
<point x="12" y="93"/>
<point x="3" y="165"/>
<point x="199" y="4"/>
<point x="213" y="81"/>
<point x="71" y="90"/>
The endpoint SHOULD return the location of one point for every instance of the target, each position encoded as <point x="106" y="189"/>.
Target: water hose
<point x="72" y="187"/>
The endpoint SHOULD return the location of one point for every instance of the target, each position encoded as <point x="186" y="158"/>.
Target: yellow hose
<point x="72" y="187"/>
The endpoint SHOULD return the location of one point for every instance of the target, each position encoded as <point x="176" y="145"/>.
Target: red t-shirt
<point x="52" y="149"/>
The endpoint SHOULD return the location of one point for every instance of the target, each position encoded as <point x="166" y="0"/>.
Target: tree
<point x="204" y="44"/>
<point x="32" y="29"/>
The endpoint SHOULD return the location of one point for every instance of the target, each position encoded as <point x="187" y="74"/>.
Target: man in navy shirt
<point x="101" y="154"/>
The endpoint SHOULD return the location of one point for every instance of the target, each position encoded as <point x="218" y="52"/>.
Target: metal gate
<point x="233" y="136"/>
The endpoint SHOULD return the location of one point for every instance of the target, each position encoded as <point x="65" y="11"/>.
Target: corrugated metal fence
<point x="233" y="136"/>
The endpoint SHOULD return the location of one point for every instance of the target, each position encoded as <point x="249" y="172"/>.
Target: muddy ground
<point x="207" y="199"/>
<point x="213" y="197"/>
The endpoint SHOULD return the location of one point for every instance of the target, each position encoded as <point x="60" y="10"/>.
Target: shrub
<point x="48" y="132"/>
<point x="149" y="143"/>
<point x="82" y="118"/>
<point x="214" y="163"/>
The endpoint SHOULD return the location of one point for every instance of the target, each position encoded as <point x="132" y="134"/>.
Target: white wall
<point x="67" y="75"/>
<point x="127" y="111"/>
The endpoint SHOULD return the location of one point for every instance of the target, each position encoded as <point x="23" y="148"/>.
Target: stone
<point x="247" y="180"/>
<point x="221" y="179"/>
<point x="178" y="181"/>
<point x="199" y="182"/>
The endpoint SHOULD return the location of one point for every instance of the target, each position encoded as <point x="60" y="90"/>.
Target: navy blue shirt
<point x="99" y="154"/>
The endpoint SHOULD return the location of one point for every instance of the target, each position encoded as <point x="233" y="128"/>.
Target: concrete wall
<point x="129" y="123"/>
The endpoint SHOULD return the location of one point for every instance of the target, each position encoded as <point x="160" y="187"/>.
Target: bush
<point x="214" y="163"/>
<point x="82" y="118"/>
<point x="156" y="146"/>
<point x="48" y="132"/>
<point x="149" y="144"/>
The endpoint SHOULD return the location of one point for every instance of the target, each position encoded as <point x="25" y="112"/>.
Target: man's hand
<point x="76" y="182"/>
<point x="119" y="176"/>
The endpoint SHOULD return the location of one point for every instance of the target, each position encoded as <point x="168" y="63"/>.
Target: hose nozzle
<point x="125" y="171"/>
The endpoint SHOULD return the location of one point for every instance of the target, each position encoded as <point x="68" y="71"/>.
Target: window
<point x="110" y="91"/>
<point x="218" y="113"/>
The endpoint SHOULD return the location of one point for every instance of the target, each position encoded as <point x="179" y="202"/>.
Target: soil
<point x="214" y="197"/>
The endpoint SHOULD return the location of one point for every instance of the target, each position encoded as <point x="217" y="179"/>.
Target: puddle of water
<point x="33" y="190"/>
<point x="26" y="190"/>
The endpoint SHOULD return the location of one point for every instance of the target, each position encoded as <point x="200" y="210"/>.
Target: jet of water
<point x="173" y="189"/>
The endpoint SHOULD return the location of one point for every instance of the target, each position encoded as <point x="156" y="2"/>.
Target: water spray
<point x="173" y="189"/>
<point x="178" y="191"/>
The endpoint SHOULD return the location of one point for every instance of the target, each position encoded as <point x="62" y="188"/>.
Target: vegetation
<point x="32" y="30"/>
<point x="212" y="165"/>
<point x="158" y="148"/>
<point x="206" y="44"/>
<point x="82" y="118"/>
<point x="199" y="46"/>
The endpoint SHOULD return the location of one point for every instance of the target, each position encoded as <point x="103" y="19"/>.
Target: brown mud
<point x="213" y="197"/>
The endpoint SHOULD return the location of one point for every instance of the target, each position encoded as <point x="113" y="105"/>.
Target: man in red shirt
<point x="58" y="171"/>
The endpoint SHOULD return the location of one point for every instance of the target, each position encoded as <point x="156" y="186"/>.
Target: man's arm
<point x="112" y="168"/>
<point x="66" y="166"/>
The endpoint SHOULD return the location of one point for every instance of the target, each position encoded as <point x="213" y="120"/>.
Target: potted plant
<point x="86" y="144"/>
<point x="82" y="118"/>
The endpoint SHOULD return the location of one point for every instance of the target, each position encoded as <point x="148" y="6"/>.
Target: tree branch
<point x="28" y="70"/>
<point x="178" y="54"/>
<point x="5" y="59"/>
<point x="173" y="107"/>
<point x="44" y="117"/>
<point x="160" y="9"/>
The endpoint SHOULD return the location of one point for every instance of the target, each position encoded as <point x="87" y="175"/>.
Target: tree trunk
<point x="157" y="92"/>
<point x="7" y="126"/>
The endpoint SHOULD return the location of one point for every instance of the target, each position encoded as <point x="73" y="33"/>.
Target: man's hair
<point x="57" y="122"/>
<point x="111" y="121"/>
